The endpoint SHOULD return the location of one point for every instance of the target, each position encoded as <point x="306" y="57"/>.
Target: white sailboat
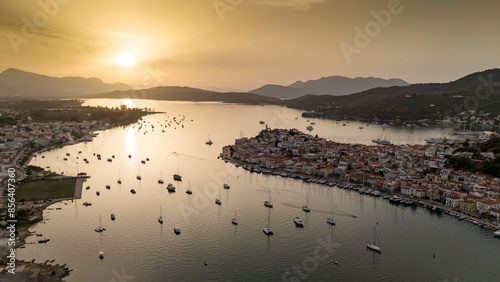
<point x="267" y="230"/>
<point x="306" y="207"/>
<point x="298" y="221"/>
<point x="268" y="203"/>
<point x="101" y="255"/>
<point x="330" y="220"/>
<point x="234" y="221"/>
<point x="160" y="219"/>
<point x="100" y="228"/>
<point x="376" y="244"/>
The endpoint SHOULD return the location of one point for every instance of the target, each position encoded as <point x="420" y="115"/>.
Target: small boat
<point x="261" y="122"/>
<point x="177" y="230"/>
<point x="298" y="221"/>
<point x="45" y="240"/>
<point x="110" y="160"/>
<point x="97" y="193"/>
<point x="233" y="221"/>
<point x="143" y="162"/>
<point x="177" y="177"/>
<point x="108" y="187"/>
<point x="268" y="231"/>
<point x="188" y="191"/>
<point x="217" y="201"/>
<point x="119" y="181"/>
<point x="330" y="220"/>
<point x="87" y="188"/>
<point x="100" y="229"/>
<point x="310" y="128"/>
<point x="160" y="219"/>
<point x="170" y="187"/>
<point x="129" y="156"/>
<point x="112" y="216"/>
<point x="306" y="207"/>
<point x="268" y="203"/>
<point x="101" y="255"/>
<point x="496" y="233"/>
<point x="138" y="177"/>
<point x="87" y="204"/>
<point x="132" y="191"/>
<point x="374" y="246"/>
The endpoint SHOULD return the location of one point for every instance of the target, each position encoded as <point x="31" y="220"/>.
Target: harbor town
<point x="410" y="173"/>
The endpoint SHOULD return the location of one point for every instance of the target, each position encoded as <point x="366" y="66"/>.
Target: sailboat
<point x="119" y="178"/>
<point x="234" y="219"/>
<point x="170" y="187"/>
<point x="160" y="219"/>
<point x="298" y="222"/>
<point x="217" y="201"/>
<point x="160" y="181"/>
<point x="226" y="185"/>
<point x="101" y="255"/>
<point x="188" y="191"/>
<point x="209" y="142"/>
<point x="177" y="230"/>
<point x="177" y="176"/>
<point x="100" y="228"/>
<point x="374" y="247"/>
<point x="267" y="230"/>
<point x="330" y="220"/>
<point x="269" y="204"/>
<point x="306" y="207"/>
<point x="139" y="175"/>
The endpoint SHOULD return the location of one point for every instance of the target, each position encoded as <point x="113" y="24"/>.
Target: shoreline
<point x="36" y="270"/>
<point x="417" y="201"/>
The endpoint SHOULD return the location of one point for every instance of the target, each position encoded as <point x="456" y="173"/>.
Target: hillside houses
<point x="417" y="171"/>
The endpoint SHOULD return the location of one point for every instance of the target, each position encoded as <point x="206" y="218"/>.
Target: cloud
<point x="300" y="5"/>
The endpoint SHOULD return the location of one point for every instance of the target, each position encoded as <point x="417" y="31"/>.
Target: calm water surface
<point x="138" y="248"/>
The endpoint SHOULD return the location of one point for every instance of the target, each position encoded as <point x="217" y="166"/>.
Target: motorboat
<point x="112" y="216"/>
<point x="177" y="230"/>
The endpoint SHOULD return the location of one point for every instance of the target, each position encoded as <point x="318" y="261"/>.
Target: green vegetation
<point x="45" y="189"/>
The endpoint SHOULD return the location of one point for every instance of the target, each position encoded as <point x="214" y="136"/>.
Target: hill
<point x="178" y="93"/>
<point x="478" y="91"/>
<point x="333" y="85"/>
<point x="18" y="83"/>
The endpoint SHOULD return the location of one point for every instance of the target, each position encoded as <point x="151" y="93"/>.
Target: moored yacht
<point x="177" y="230"/>
<point x="374" y="247"/>
<point x="268" y="231"/>
<point x="298" y="221"/>
<point x="170" y="187"/>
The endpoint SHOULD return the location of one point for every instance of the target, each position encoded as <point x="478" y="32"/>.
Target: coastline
<point x="424" y="203"/>
<point x="31" y="270"/>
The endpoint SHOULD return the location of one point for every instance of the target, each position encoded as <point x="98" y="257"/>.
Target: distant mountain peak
<point x="329" y="85"/>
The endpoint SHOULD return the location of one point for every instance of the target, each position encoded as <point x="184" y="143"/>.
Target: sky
<point x="244" y="44"/>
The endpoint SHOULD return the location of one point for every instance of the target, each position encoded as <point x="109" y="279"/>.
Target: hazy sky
<point x="245" y="44"/>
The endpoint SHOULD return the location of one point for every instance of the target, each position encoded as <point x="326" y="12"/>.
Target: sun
<point x="125" y="59"/>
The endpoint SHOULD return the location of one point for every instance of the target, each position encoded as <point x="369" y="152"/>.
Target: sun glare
<point x="125" y="59"/>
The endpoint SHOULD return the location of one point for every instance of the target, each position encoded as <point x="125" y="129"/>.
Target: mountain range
<point x="479" y="91"/>
<point x="332" y="85"/>
<point x="18" y="83"/>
